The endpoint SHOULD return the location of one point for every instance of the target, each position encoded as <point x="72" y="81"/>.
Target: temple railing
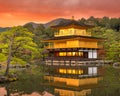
<point x="72" y="58"/>
<point x="74" y="63"/>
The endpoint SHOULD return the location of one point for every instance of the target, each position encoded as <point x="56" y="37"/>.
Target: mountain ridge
<point x="48" y="24"/>
<point x="35" y="25"/>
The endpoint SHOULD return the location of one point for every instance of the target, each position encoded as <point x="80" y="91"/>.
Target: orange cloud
<point x="17" y="12"/>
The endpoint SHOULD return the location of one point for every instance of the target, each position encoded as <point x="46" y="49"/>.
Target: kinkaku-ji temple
<point x="73" y="55"/>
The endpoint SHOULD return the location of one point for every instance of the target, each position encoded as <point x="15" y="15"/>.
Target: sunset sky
<point x="19" y="12"/>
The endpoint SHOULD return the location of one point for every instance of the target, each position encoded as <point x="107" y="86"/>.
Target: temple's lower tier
<point x="74" y="52"/>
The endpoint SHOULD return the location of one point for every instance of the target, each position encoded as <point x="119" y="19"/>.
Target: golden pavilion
<point x="72" y="53"/>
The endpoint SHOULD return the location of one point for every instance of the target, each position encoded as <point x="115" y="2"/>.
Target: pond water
<point x="35" y="85"/>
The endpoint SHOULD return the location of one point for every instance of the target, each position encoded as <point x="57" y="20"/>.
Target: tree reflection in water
<point x="112" y="90"/>
<point x="22" y="87"/>
<point x="28" y="83"/>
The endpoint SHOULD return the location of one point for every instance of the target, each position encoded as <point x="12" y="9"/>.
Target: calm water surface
<point x="36" y="87"/>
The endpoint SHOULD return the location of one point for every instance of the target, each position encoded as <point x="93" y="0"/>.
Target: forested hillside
<point x="109" y="29"/>
<point x="106" y="22"/>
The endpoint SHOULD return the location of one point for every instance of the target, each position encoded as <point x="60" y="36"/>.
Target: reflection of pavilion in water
<point x="63" y="92"/>
<point x="73" y="57"/>
<point x="73" y="87"/>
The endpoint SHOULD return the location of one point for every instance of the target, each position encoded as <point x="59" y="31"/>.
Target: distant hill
<point x="51" y="23"/>
<point x="55" y="22"/>
<point x="4" y="29"/>
<point x="46" y="25"/>
<point x="35" y="25"/>
<point x="110" y="23"/>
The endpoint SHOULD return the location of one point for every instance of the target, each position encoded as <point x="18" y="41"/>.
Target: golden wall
<point x="72" y="31"/>
<point x="72" y="43"/>
<point x="75" y="44"/>
<point x="88" y="44"/>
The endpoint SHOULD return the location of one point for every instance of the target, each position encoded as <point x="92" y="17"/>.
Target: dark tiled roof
<point x="72" y="36"/>
<point x="71" y="22"/>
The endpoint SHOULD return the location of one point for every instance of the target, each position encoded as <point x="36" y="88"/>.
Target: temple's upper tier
<point x="71" y="27"/>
